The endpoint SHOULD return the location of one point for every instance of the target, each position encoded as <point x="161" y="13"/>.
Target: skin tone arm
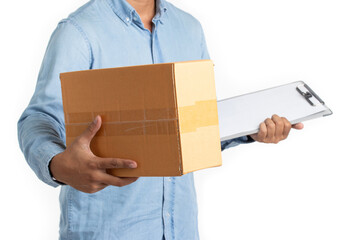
<point x="78" y="167"/>
<point x="275" y="130"/>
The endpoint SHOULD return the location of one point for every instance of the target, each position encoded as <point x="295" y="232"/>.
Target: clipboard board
<point x="241" y="115"/>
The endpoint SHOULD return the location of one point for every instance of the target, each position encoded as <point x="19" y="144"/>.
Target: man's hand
<point x="78" y="167"/>
<point x="275" y="130"/>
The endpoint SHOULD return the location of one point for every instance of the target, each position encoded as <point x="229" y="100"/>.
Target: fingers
<point x="91" y="130"/>
<point x="263" y="131"/>
<point x="97" y="179"/>
<point x="274" y="130"/>
<point x="270" y="125"/>
<point x="106" y="163"/>
<point x="102" y="180"/>
<point x="298" y="126"/>
<point x="116" y="181"/>
<point x="287" y="127"/>
<point x="261" y="134"/>
<point x="279" y="127"/>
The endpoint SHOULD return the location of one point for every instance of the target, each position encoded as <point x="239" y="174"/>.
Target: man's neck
<point x="145" y="9"/>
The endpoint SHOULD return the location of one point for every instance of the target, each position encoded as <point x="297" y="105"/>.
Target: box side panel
<point x="198" y="118"/>
<point x="137" y="106"/>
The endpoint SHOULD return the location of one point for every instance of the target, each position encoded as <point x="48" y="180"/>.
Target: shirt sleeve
<point x="41" y="131"/>
<point x="235" y="141"/>
<point x="231" y="142"/>
<point x="204" y="51"/>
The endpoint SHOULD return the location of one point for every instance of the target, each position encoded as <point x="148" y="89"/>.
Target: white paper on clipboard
<point x="242" y="115"/>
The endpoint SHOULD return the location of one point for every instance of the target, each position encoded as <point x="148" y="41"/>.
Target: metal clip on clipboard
<point x="309" y="94"/>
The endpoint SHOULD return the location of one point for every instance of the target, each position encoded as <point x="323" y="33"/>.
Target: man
<point x="104" y="34"/>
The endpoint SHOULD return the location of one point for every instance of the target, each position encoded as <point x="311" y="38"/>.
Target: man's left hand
<point x="275" y="130"/>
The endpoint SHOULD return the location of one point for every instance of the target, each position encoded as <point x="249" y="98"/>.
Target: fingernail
<point x="132" y="165"/>
<point x="96" y="120"/>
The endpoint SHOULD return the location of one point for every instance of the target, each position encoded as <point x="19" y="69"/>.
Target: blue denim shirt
<point x="105" y="34"/>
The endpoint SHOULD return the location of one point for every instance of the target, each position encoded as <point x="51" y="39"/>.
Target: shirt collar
<point x="127" y="13"/>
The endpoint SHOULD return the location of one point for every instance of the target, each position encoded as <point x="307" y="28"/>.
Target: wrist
<point x="51" y="170"/>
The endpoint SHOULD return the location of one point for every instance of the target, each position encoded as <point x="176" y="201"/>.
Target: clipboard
<point x="241" y="115"/>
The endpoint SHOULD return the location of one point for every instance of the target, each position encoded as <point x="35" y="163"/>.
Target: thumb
<point x="298" y="126"/>
<point x="91" y="130"/>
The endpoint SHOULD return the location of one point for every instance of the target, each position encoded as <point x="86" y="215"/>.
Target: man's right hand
<point x="78" y="167"/>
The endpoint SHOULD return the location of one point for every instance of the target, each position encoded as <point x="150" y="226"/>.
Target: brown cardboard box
<point x="163" y="116"/>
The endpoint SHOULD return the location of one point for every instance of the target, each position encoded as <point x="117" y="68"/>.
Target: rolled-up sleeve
<point x="235" y="141"/>
<point x="41" y="132"/>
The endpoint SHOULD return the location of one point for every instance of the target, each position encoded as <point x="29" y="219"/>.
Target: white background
<point x="307" y="187"/>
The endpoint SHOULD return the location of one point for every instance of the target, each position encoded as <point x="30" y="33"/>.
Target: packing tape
<point x="146" y="122"/>
<point x="202" y="114"/>
<point x="121" y="115"/>
<point x="149" y="127"/>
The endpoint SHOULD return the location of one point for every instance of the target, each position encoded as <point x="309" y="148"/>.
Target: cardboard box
<point x="163" y="116"/>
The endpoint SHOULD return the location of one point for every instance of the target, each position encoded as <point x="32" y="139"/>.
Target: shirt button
<point x="167" y="214"/>
<point x="169" y="179"/>
<point x="127" y="19"/>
